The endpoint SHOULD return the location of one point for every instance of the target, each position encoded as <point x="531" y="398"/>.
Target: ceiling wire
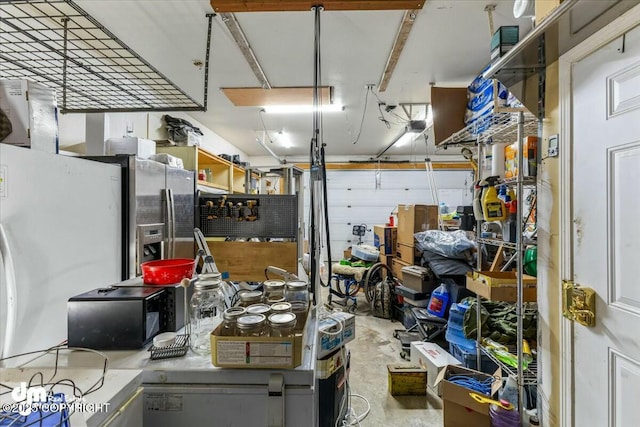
<point x="364" y="110"/>
<point x="266" y="132"/>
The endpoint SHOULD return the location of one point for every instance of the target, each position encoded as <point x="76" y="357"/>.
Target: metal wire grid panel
<point x="56" y="43"/>
<point x="529" y="375"/>
<point x="500" y="128"/>
<point x="277" y="217"/>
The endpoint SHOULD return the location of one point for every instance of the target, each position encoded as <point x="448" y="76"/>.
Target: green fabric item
<point x="499" y="321"/>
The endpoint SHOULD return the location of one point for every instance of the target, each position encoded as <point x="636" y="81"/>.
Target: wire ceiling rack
<point x="58" y="44"/>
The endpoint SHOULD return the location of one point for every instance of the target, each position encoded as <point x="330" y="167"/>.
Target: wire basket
<point x="177" y="349"/>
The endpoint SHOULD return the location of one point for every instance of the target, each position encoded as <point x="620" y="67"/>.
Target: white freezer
<point x="59" y="236"/>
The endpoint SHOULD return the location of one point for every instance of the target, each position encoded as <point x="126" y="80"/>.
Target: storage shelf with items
<point x="515" y="132"/>
<point x="215" y="174"/>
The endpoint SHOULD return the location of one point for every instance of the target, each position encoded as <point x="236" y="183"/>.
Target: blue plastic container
<point x="455" y="332"/>
<point x="439" y="301"/>
<point x="469" y="360"/>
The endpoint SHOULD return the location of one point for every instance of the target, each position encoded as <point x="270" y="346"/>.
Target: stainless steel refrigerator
<point x="158" y="214"/>
<point x="59" y="218"/>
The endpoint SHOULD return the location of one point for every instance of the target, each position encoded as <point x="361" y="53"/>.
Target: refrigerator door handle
<point x="10" y="281"/>
<point x="171" y="226"/>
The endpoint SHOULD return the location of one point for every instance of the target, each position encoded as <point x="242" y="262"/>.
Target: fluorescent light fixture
<point x="285" y="140"/>
<point x="412" y="130"/>
<point x="295" y="109"/>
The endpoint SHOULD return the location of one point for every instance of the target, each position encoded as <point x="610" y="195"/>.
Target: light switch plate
<point x="552" y="151"/>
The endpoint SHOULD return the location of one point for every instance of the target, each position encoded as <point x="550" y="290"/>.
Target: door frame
<point x="615" y="29"/>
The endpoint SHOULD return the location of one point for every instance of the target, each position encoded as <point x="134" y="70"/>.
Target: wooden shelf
<point x="225" y="175"/>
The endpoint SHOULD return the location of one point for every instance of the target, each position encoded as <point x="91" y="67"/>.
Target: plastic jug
<point x="439" y="301"/>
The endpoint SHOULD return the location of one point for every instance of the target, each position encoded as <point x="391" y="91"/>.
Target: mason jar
<point x="230" y="319"/>
<point x="251" y="325"/>
<point x="248" y="298"/>
<point x="281" y="307"/>
<point x="297" y="294"/>
<point x="274" y="299"/>
<point x="263" y="309"/>
<point x="281" y="325"/>
<point x="206" y="307"/>
<point x="273" y="288"/>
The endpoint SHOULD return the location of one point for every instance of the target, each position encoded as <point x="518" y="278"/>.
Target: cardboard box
<point x="384" y="238"/>
<point x="408" y="253"/>
<point x="530" y="153"/>
<point x="413" y="219"/>
<point x="501" y="286"/>
<point x="420" y="279"/>
<point x="434" y="358"/>
<point x="33" y="113"/>
<point x="459" y="408"/>
<point x="256" y="352"/>
<point x="407" y="379"/>
<point x="143" y="148"/>
<point x="328" y="327"/>
<point x="396" y="267"/>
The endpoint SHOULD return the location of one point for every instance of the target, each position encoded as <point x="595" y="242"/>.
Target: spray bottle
<point x="493" y="208"/>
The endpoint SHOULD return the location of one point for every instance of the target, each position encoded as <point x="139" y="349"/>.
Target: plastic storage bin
<point x="469" y="360"/>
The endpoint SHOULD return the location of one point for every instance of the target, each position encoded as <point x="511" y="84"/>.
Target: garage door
<point x="361" y="197"/>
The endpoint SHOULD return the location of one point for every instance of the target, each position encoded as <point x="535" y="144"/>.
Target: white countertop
<point x="189" y="369"/>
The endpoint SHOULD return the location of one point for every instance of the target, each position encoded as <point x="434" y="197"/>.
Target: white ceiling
<point x="448" y="45"/>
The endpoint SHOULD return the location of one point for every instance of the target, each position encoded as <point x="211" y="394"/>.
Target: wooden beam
<point x="398" y="45"/>
<point x="257" y="96"/>
<point x="224" y="6"/>
<point x="392" y="166"/>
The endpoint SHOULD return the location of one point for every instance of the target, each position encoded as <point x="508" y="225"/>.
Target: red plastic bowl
<point x="167" y="271"/>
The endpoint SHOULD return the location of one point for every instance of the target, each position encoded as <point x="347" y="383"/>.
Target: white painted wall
<point x="145" y="125"/>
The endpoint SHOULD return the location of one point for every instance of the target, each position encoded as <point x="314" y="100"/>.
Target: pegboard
<point x="248" y="216"/>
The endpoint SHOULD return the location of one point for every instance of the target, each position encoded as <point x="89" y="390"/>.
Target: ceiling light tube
<point x="297" y="109"/>
<point x="414" y="129"/>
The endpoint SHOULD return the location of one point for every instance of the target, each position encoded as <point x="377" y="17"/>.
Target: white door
<point x="606" y="232"/>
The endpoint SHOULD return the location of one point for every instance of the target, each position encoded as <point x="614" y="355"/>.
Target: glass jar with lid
<point x="281" y="307"/>
<point x="205" y="308"/>
<point x="263" y="309"/>
<point x="297" y="293"/>
<point x="274" y="299"/>
<point x="251" y="325"/>
<point x="273" y="289"/>
<point x="282" y="325"/>
<point x="230" y="319"/>
<point x="248" y="298"/>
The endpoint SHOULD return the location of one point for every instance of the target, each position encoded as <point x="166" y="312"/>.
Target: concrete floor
<point x="372" y="349"/>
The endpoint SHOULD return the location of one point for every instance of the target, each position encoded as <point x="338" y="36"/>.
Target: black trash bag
<point x="179" y="129"/>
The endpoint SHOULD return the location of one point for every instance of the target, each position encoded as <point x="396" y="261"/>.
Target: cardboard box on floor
<point x="434" y="358"/>
<point x="415" y="218"/>
<point x="459" y="408"/>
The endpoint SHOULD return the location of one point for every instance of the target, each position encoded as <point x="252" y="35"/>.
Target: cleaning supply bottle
<point x="510" y="226"/>
<point x="439" y="301"/>
<point x="510" y="391"/>
<point x="493" y="209"/>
